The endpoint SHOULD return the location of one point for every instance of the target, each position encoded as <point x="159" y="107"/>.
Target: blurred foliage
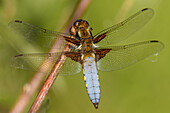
<point x="140" y="88"/>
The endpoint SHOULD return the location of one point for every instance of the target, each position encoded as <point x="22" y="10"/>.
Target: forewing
<point x="35" y="34"/>
<point x="122" y="56"/>
<point x="123" y="30"/>
<point x="44" y="62"/>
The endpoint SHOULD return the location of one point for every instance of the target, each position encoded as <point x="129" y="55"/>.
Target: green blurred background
<point x="141" y="88"/>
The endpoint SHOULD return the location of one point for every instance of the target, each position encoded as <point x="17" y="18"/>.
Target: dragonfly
<point x="89" y="53"/>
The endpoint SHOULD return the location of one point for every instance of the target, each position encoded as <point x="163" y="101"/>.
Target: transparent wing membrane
<point x="70" y="67"/>
<point x="109" y="57"/>
<point x="35" y="34"/>
<point x="44" y="62"/>
<point x="123" y="30"/>
<point x="122" y="56"/>
<point x="34" y="61"/>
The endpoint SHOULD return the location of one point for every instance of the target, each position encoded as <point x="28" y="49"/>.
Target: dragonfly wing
<point x="44" y="62"/>
<point x="123" y="30"/>
<point x="34" y="61"/>
<point x="70" y="67"/>
<point x="35" y="34"/>
<point x="123" y="56"/>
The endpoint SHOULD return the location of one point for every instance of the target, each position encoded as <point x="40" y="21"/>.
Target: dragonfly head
<point x="80" y="29"/>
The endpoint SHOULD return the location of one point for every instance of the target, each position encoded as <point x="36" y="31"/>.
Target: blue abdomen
<point x="91" y="80"/>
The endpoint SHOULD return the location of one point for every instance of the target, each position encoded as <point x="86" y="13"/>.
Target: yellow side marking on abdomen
<point x="97" y="76"/>
<point x="83" y="71"/>
<point x="85" y="78"/>
<point x="86" y="85"/>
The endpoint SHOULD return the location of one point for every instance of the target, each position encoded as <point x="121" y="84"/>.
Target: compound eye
<point x="77" y="22"/>
<point x="87" y="23"/>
